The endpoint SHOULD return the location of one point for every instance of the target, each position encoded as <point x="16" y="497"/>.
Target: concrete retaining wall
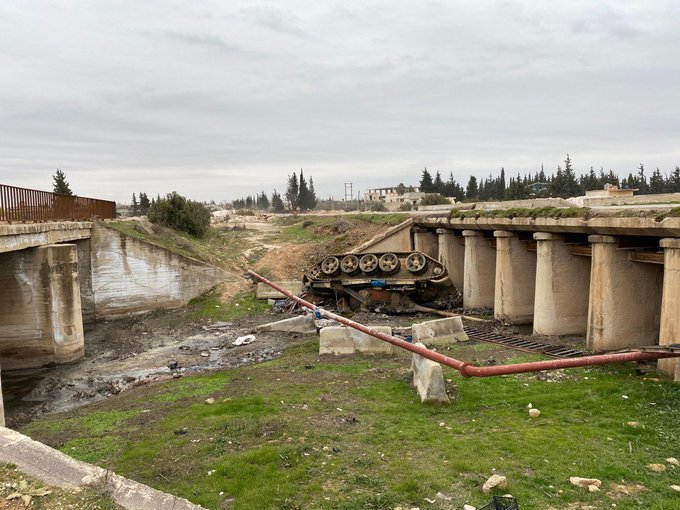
<point x="340" y="340"/>
<point x="134" y="276"/>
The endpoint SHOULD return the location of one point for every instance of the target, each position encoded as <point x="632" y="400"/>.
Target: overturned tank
<point x="392" y="282"/>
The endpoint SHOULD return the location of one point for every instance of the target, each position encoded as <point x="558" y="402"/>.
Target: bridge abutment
<point x="452" y="255"/>
<point x="425" y="241"/>
<point x="515" y="279"/>
<point x="624" y="299"/>
<point x="669" y="330"/>
<point x="479" y="270"/>
<point x="562" y="288"/>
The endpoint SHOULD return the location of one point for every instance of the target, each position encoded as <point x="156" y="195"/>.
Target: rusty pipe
<point x="467" y="369"/>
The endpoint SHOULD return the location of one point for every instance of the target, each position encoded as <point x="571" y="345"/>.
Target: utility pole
<point x="349" y="193"/>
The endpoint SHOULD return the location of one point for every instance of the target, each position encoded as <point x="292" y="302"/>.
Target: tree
<point x="262" y="201"/>
<point x="401" y="189"/>
<point x="312" y="194"/>
<point x="437" y="184"/>
<point x="135" y="205"/>
<point x="292" y="191"/>
<point x="434" y="199"/>
<point x="144" y="204"/>
<point x="472" y="190"/>
<point x="656" y="182"/>
<point x="277" y="203"/>
<point x="426" y="182"/>
<point x="60" y="185"/>
<point x="177" y="212"/>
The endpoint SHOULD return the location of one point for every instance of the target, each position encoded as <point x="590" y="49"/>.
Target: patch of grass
<point x="95" y="449"/>
<point x="93" y="423"/>
<point x="347" y="432"/>
<point x="209" y="306"/>
<point x="519" y="212"/>
<point x="14" y="481"/>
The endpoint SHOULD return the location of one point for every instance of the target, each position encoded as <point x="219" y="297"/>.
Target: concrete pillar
<point x="479" y="271"/>
<point x="669" y="330"/>
<point x="624" y="300"/>
<point x="2" y="401"/>
<point x="40" y="322"/>
<point x="452" y="255"/>
<point x="425" y="241"/>
<point x="515" y="279"/>
<point x="65" y="311"/>
<point x="85" y="278"/>
<point x="562" y="288"/>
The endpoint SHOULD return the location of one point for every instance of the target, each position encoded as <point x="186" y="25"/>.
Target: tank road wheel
<point x="389" y="263"/>
<point x="349" y="264"/>
<point x="330" y="266"/>
<point x="416" y="263"/>
<point x="368" y="263"/>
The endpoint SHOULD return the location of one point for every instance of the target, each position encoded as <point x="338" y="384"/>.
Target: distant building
<point x="610" y="191"/>
<point x="395" y="196"/>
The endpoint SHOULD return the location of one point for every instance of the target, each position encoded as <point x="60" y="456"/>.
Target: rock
<point x="219" y="325"/>
<point x="634" y="424"/>
<point x="495" y="482"/>
<point x="675" y="487"/>
<point x="176" y="375"/>
<point x="593" y="488"/>
<point x="205" y="354"/>
<point x="469" y="507"/>
<point x="534" y="413"/>
<point x="172" y="365"/>
<point x="585" y="482"/>
<point x="673" y="461"/>
<point x="244" y="340"/>
<point x="657" y="468"/>
<point x="210" y="401"/>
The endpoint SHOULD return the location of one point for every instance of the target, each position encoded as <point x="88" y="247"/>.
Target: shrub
<point x="406" y="206"/>
<point x="177" y="212"/>
<point x="376" y="207"/>
<point x="434" y="199"/>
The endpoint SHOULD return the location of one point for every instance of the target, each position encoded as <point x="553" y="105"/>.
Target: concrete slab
<point x="55" y="468"/>
<point x="367" y="344"/>
<point x="264" y="291"/>
<point x="440" y="331"/>
<point x="335" y="340"/>
<point x="428" y="379"/>
<point x="301" y="324"/>
<point x="340" y="340"/>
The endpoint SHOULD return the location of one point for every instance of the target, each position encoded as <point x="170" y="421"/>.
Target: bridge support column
<point x="2" y="402"/>
<point x="40" y="316"/>
<point x="562" y="288"/>
<point x="515" y="279"/>
<point x="625" y="300"/>
<point x="425" y="241"/>
<point x="669" y="330"/>
<point x="479" y="271"/>
<point x="452" y="255"/>
<point x="85" y="278"/>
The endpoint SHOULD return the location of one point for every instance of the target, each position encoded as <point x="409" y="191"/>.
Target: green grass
<point x="519" y="212"/>
<point x="306" y="229"/>
<point x="209" y="306"/>
<point x="308" y="432"/>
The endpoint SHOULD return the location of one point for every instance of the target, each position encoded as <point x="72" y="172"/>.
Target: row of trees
<point x="300" y="195"/>
<point x="142" y="205"/>
<point x="562" y="183"/>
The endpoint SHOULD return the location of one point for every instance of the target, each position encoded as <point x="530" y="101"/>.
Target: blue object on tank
<point x="378" y="284"/>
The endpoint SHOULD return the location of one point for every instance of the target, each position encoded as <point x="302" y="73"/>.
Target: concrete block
<point x="428" y="379"/>
<point x="300" y="324"/>
<point x="370" y="345"/>
<point x="335" y="340"/>
<point x="341" y="340"/>
<point x="264" y="291"/>
<point x="440" y="331"/>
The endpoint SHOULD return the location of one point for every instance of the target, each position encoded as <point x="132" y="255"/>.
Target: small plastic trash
<point x="244" y="340"/>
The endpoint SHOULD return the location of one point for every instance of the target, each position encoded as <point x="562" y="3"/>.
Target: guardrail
<point x="22" y="204"/>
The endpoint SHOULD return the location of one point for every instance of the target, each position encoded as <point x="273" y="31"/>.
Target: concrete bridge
<point x="56" y="275"/>
<point x="614" y="280"/>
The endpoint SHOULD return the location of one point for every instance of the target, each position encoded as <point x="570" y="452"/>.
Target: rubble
<point x="495" y="482"/>
<point x="592" y="484"/>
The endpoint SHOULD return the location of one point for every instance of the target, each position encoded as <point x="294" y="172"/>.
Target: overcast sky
<point x="219" y="99"/>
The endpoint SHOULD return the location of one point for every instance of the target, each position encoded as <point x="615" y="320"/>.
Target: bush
<point x="376" y="207"/>
<point x="177" y="212"/>
<point x="406" y="206"/>
<point x="434" y="199"/>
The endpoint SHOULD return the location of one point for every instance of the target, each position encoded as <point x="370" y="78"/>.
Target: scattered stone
<point x="534" y="413"/>
<point x="210" y="401"/>
<point x="675" y="487"/>
<point x="495" y="482"/>
<point x="586" y="483"/>
<point x="634" y="424"/>
<point x="172" y="365"/>
<point x="619" y="490"/>
<point x="469" y="507"/>
<point x="530" y="405"/>
<point x="205" y="354"/>
<point x="657" y="468"/>
<point x="176" y="375"/>
<point x="217" y="326"/>
<point x="244" y="340"/>
<point x="445" y="497"/>
<point x="673" y="461"/>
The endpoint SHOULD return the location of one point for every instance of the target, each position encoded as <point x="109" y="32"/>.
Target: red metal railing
<point x="467" y="369"/>
<point x="21" y="204"/>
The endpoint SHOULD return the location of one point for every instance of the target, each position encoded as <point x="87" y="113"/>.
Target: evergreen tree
<point x="277" y="203"/>
<point x="472" y="190"/>
<point x="303" y="193"/>
<point x="312" y="194"/>
<point x="249" y="202"/>
<point x="144" y="204"/>
<point x="426" y="182"/>
<point x="641" y="180"/>
<point x="438" y="184"/>
<point x="674" y="181"/>
<point x="60" y="184"/>
<point x="656" y="182"/>
<point x="262" y="201"/>
<point x="292" y="191"/>
<point x="135" y="205"/>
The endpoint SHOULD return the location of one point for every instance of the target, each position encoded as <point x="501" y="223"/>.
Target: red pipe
<point x="467" y="369"/>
